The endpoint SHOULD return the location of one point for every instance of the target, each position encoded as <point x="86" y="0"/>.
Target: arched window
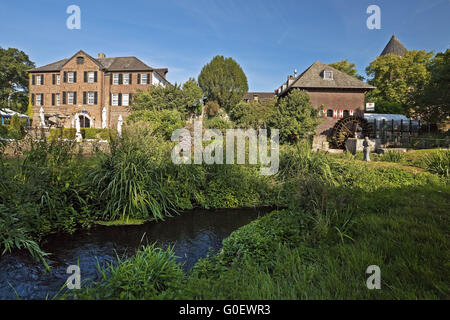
<point x="84" y="122"/>
<point x="330" y="113"/>
<point x="346" y="113"/>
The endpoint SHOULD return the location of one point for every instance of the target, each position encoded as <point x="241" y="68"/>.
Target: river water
<point x="192" y="234"/>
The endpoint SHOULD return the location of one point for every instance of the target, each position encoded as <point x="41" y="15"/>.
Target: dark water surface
<point x="192" y="234"/>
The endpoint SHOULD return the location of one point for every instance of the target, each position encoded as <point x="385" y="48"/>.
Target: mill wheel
<point x="350" y="127"/>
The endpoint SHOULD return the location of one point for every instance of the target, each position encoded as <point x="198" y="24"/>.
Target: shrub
<point x="212" y="109"/>
<point x="218" y="123"/>
<point x="163" y="123"/>
<point x="439" y="162"/>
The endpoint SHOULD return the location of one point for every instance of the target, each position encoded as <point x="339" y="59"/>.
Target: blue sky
<point x="269" y="39"/>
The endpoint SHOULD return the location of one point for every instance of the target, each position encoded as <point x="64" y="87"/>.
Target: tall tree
<point x="193" y="96"/>
<point x="347" y="67"/>
<point x="397" y="78"/>
<point x="224" y="81"/>
<point x="14" y="64"/>
<point x="294" y="116"/>
<point x="433" y="102"/>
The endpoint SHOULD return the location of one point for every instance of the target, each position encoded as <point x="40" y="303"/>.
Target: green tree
<point x="433" y="102"/>
<point x="224" y="81"/>
<point x="14" y="64"/>
<point x="252" y="114"/>
<point x="193" y="96"/>
<point x="347" y="67"/>
<point x="294" y="116"/>
<point x="398" y="78"/>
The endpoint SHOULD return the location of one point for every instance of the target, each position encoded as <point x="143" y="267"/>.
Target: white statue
<point x="78" y="135"/>
<point x="42" y="117"/>
<point x="119" y="126"/>
<point x="104" y="121"/>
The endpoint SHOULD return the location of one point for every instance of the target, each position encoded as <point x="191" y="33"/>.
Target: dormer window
<point x="80" y="60"/>
<point x="328" y="75"/>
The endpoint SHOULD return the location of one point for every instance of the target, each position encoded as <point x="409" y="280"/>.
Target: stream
<point x="192" y="234"/>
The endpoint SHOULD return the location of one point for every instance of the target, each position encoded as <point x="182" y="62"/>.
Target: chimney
<point x="101" y="55"/>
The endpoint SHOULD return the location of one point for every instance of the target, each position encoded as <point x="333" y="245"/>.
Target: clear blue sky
<point x="269" y="39"/>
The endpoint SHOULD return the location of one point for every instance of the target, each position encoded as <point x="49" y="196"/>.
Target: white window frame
<point x="144" y="76"/>
<point x="91" y="98"/>
<point x="58" y="99"/>
<point x="126" y="78"/>
<point x="39" y="80"/>
<point x="70" y="77"/>
<point x="115" y="78"/>
<point x="70" y="97"/>
<point x="91" y="77"/>
<point x="39" y="99"/>
<point x="115" y="99"/>
<point x="325" y="75"/>
<point x="58" y="79"/>
<point x="125" y="99"/>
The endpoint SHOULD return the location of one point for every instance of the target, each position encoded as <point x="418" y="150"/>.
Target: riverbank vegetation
<point x="340" y="217"/>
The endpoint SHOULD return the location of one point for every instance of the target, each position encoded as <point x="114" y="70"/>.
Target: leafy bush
<point x="163" y="123"/>
<point x="218" y="123"/>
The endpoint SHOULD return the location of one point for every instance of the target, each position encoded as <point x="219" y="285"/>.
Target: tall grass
<point x="150" y="274"/>
<point x="439" y="162"/>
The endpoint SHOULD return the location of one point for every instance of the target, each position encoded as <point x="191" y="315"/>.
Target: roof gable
<point x="313" y="78"/>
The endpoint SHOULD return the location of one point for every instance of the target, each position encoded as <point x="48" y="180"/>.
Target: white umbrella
<point x="104" y="125"/>
<point x="42" y="117"/>
<point x="119" y="126"/>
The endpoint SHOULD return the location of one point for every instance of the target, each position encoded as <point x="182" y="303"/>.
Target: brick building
<point x="334" y="92"/>
<point x="89" y="88"/>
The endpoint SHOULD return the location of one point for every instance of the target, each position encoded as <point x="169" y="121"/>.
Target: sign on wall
<point x="370" y="106"/>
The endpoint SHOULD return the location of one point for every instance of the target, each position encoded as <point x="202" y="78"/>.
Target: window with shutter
<point x="139" y="78"/>
<point x="33" y="79"/>
<point x="130" y="78"/>
<point x="53" y="79"/>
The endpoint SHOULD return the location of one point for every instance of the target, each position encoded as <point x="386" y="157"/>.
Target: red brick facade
<point x="102" y="88"/>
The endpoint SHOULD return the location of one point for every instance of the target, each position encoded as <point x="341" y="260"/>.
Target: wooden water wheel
<point x="350" y="127"/>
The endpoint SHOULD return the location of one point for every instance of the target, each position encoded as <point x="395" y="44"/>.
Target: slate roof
<point x="261" y="95"/>
<point x="313" y="78"/>
<point x="107" y="64"/>
<point x="394" y="46"/>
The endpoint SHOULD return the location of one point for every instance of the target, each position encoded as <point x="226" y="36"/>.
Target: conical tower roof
<point x="395" y="47"/>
